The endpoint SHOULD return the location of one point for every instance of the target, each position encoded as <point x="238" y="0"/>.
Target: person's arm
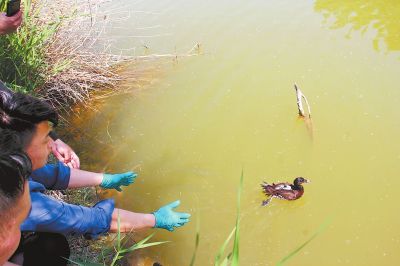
<point x="60" y="176"/>
<point x="80" y="178"/>
<point x="131" y="221"/>
<point x="10" y="24"/>
<point x="52" y="176"/>
<point x="50" y="215"/>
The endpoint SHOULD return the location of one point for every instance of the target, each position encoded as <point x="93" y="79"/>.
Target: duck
<point x="285" y="190"/>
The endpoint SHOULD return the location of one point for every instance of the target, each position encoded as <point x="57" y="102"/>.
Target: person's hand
<point x="168" y="219"/>
<point x="10" y="24"/>
<point x="65" y="154"/>
<point x="117" y="180"/>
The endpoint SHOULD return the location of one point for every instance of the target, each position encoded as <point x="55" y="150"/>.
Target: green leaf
<point x="235" y="252"/>
<point x="223" y="247"/>
<point x="80" y="263"/>
<point x="297" y="250"/>
<point x="197" y="240"/>
<point x="136" y="246"/>
<point x="119" y="233"/>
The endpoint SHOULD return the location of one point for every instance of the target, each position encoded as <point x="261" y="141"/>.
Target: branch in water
<point x="299" y="96"/>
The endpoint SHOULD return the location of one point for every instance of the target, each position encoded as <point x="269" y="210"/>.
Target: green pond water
<point x="192" y="128"/>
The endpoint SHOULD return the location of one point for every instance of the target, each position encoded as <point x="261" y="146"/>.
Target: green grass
<point x="197" y="241"/>
<point x="300" y="247"/>
<point x="118" y="251"/>
<point x="23" y="65"/>
<point x="232" y="257"/>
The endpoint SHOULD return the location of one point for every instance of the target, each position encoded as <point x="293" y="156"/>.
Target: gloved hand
<point x="118" y="180"/>
<point x="167" y="218"/>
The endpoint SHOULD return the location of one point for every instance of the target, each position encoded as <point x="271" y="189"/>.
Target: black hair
<point x="15" y="168"/>
<point x="21" y="113"/>
<point x="15" y="165"/>
<point x="10" y="141"/>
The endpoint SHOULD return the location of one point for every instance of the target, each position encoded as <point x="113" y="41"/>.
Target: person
<point x="10" y="24"/>
<point x="41" y="248"/>
<point x="15" y="167"/>
<point x="33" y="120"/>
<point x="60" y="149"/>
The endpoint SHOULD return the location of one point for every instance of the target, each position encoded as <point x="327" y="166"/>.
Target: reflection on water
<point x="383" y="16"/>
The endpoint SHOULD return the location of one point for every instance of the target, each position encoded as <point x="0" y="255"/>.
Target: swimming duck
<point x="284" y="190"/>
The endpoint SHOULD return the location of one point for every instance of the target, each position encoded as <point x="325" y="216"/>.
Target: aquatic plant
<point x="300" y="247"/>
<point x="197" y="241"/>
<point x="233" y="256"/>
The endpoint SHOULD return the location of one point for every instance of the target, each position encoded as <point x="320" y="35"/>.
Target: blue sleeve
<point x="52" y="176"/>
<point x="50" y="215"/>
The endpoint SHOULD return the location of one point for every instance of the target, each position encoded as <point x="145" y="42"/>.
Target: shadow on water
<point x="361" y="15"/>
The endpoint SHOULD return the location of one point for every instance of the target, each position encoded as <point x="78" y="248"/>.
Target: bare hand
<point x="65" y="154"/>
<point x="10" y="24"/>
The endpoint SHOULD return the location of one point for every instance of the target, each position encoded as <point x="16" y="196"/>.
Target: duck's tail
<point x="264" y="184"/>
<point x="266" y="187"/>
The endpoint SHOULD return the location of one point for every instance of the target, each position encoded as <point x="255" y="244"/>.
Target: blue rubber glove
<point x="167" y="218"/>
<point x="118" y="180"/>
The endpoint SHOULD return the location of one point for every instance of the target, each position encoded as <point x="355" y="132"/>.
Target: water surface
<point x="192" y="131"/>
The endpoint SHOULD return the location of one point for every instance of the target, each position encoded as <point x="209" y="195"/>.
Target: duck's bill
<point x="307" y="181"/>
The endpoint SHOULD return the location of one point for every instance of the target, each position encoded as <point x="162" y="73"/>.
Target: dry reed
<point x="79" y="58"/>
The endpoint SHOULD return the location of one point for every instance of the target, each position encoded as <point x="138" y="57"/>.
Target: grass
<point x="232" y="258"/>
<point x="293" y="253"/>
<point x="223" y="259"/>
<point x="197" y="241"/>
<point x="23" y="63"/>
<point x="59" y="54"/>
<point x="118" y="251"/>
<point x="52" y="54"/>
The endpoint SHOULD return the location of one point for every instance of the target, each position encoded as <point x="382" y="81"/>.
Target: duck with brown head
<point x="285" y="190"/>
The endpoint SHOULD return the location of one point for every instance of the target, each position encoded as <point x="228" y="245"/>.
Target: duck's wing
<point x="283" y="186"/>
<point x="291" y="194"/>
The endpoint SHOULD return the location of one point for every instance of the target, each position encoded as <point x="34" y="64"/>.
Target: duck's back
<point x="270" y="190"/>
<point x="283" y="190"/>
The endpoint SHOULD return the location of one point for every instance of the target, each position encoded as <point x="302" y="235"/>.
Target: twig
<point x="301" y="96"/>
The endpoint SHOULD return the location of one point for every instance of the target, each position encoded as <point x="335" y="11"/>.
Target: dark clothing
<point x="45" y="249"/>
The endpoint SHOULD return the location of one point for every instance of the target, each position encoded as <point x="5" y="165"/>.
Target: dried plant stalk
<point x="79" y="58"/>
<point x="301" y="96"/>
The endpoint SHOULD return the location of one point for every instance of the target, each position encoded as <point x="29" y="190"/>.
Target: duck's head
<point x="300" y="180"/>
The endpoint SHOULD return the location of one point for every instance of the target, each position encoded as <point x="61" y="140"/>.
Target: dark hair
<point x="9" y="141"/>
<point x="21" y="113"/>
<point x="15" y="168"/>
<point x="15" y="165"/>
